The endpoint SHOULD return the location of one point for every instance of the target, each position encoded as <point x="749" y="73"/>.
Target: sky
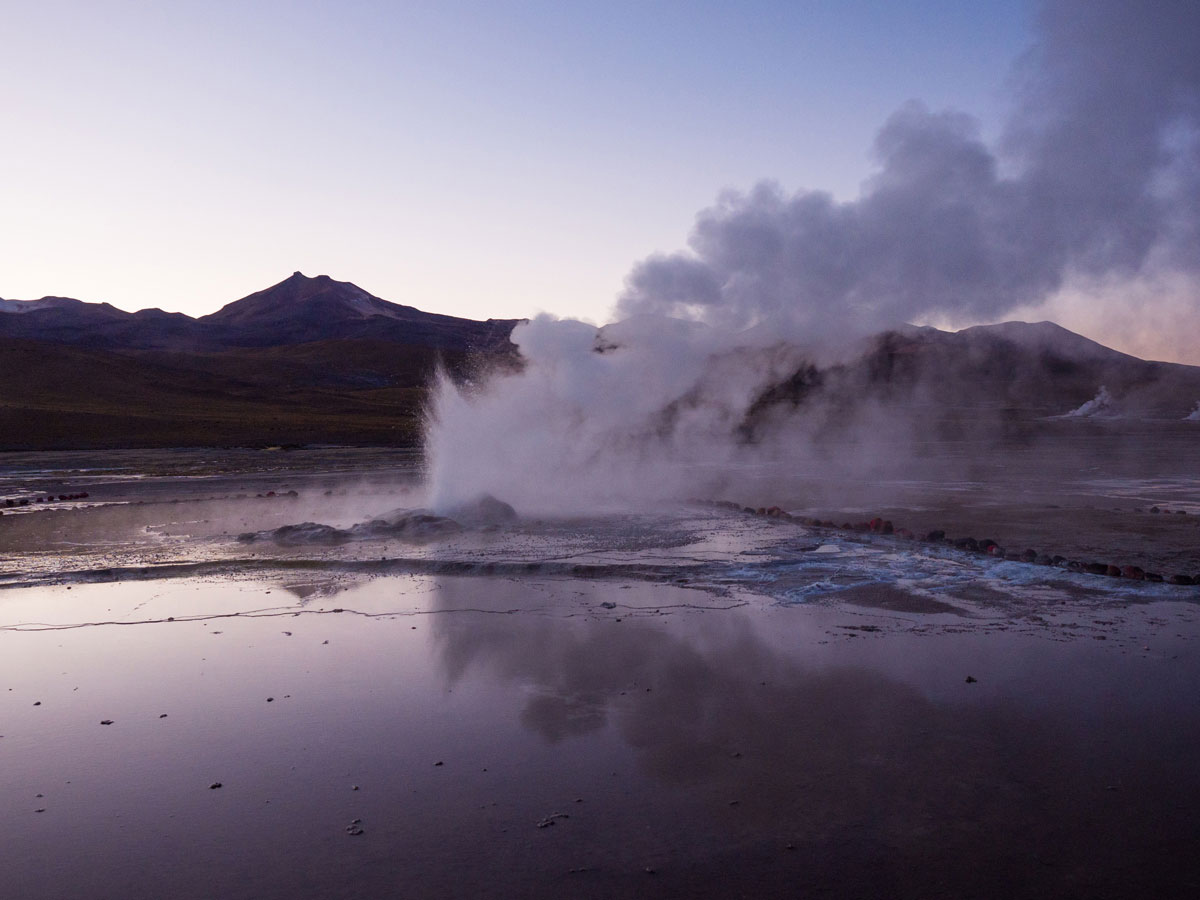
<point x="482" y="159"/>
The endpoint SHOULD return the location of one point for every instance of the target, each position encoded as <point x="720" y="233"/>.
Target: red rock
<point x="1132" y="572"/>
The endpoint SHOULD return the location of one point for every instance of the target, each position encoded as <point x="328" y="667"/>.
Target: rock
<point x="1112" y="571"/>
<point x="971" y="679"/>
<point x="1180" y="579"/>
<point x="1095" y="568"/>
<point x="935" y="536"/>
<point x="966" y="543"/>
<point x="483" y="510"/>
<point x="215" y="785"/>
<point x="607" y="604"/>
<point x="1153" y="576"/>
<point x="106" y="721"/>
<point x="1133" y="572"/>
<point x="293" y="535"/>
<point x="408" y="524"/>
<point x="1155" y="510"/>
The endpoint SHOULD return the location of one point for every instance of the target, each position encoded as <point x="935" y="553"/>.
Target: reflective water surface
<point x="550" y="736"/>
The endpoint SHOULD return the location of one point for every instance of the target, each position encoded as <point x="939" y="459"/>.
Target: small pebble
<point x="106" y="721"/>
<point x="215" y="785"/>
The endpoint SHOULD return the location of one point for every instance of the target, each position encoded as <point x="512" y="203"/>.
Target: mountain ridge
<point x="297" y="310"/>
<point x="315" y="360"/>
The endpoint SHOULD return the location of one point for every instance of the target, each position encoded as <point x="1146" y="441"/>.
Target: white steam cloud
<point x="1096" y="182"/>
<point x="1104" y="151"/>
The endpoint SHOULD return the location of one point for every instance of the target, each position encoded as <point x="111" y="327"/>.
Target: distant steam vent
<point x="1101" y="406"/>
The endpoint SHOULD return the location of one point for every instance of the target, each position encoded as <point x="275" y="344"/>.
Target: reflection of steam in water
<point x="815" y="751"/>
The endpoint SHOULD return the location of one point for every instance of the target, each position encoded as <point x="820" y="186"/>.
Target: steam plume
<point x="1104" y="154"/>
<point x="1096" y="181"/>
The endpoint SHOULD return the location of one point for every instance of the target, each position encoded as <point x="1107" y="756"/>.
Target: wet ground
<point x="684" y="702"/>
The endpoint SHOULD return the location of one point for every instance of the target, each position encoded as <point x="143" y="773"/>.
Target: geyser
<point x="1095" y="180"/>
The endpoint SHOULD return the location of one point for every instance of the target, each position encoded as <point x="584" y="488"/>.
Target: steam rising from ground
<point x="1097" y="179"/>
<point x="1095" y="186"/>
<point x="1100" y="405"/>
<point x="580" y="427"/>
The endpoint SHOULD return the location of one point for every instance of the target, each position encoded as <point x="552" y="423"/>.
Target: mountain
<point x="297" y="310"/>
<point x="314" y="360"/>
<point x="309" y="360"/>
<point x="301" y="309"/>
<point x="980" y="379"/>
<point x="69" y="321"/>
